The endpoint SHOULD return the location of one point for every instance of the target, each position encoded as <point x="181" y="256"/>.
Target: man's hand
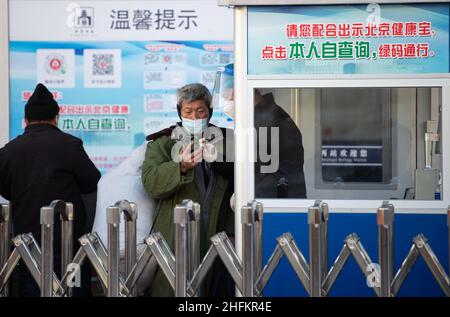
<point x="189" y="159"/>
<point x="209" y="151"/>
<point x="233" y="202"/>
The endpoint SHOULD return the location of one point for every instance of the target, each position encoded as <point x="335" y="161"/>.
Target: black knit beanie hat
<point x="41" y="105"/>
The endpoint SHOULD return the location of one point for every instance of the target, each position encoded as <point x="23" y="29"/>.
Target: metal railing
<point x="40" y="263"/>
<point x="106" y="261"/>
<point x="186" y="271"/>
<point x="5" y="238"/>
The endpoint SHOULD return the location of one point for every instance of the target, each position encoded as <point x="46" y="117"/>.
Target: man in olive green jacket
<point x="175" y="170"/>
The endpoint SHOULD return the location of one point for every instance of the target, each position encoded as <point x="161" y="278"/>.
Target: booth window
<point x="355" y="136"/>
<point x="348" y="143"/>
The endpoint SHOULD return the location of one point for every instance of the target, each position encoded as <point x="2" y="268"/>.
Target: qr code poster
<point x="207" y="78"/>
<point x="155" y="124"/>
<point x="164" y="59"/>
<point x="162" y="79"/>
<point x="102" y="68"/>
<point x="160" y="102"/>
<point x="56" y="67"/>
<point x="210" y="58"/>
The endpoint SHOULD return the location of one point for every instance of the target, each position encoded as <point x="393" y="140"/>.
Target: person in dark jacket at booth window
<point x="288" y="181"/>
<point x="279" y="162"/>
<point x="39" y="166"/>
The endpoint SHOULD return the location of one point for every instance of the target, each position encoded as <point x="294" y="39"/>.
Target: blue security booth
<point x="367" y="86"/>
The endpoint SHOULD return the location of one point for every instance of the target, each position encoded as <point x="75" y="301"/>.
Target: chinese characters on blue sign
<point x="344" y="39"/>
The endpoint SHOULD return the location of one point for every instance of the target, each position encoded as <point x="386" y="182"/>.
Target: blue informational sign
<point x="84" y="78"/>
<point x="114" y="66"/>
<point x="349" y="39"/>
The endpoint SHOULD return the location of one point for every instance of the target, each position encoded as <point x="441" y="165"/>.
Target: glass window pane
<point x="348" y="143"/>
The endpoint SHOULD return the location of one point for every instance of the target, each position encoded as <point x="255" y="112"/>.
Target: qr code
<point x="166" y="59"/>
<point x="209" y="59"/>
<point x="151" y="58"/>
<point x="225" y="58"/>
<point x="151" y="77"/>
<point x="153" y="102"/>
<point x="103" y="64"/>
<point x="208" y="78"/>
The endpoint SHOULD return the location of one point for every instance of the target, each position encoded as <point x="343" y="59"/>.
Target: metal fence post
<point x="181" y="249"/>
<point x="324" y="239"/>
<point x="194" y="241"/>
<point x="66" y="240"/>
<point x="247" y="220"/>
<point x="130" y="217"/>
<point x="47" y="222"/>
<point x="315" y="249"/>
<point x="5" y="238"/>
<point x="113" y="219"/>
<point x="258" y="251"/>
<point x="385" y="221"/>
<point x="448" y="225"/>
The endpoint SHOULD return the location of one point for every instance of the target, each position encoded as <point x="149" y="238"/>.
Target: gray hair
<point x="193" y="92"/>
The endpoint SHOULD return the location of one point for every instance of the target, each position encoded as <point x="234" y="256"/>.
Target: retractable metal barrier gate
<point x="314" y="276"/>
<point x="243" y="273"/>
<point x="383" y="281"/>
<point x="40" y="263"/>
<point x="317" y="280"/>
<point x="106" y="262"/>
<point x="179" y="268"/>
<point x="5" y="238"/>
<point x="184" y="270"/>
<point x="310" y="275"/>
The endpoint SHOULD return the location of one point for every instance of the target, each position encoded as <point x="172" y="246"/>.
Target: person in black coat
<point x="288" y="181"/>
<point x="39" y="166"/>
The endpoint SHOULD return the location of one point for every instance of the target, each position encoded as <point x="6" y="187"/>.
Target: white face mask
<point x="228" y="108"/>
<point x="196" y="126"/>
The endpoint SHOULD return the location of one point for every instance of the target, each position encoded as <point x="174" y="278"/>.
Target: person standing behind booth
<point x="287" y="180"/>
<point x="290" y="173"/>
<point x="39" y="166"/>
<point x="190" y="175"/>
